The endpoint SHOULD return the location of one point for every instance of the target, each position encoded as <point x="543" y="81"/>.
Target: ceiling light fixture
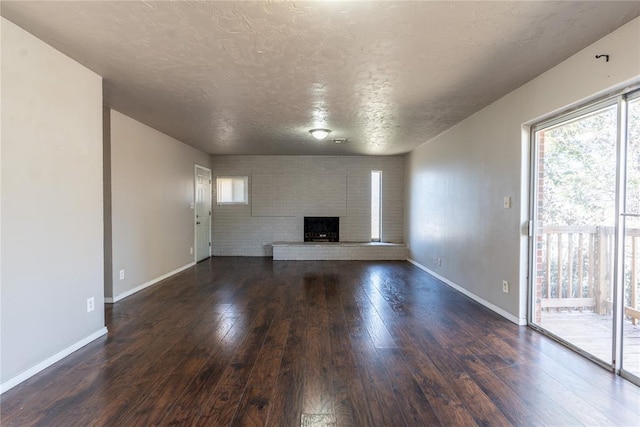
<point x="319" y="133"/>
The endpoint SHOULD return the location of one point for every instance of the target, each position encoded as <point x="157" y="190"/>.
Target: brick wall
<point x="237" y="232"/>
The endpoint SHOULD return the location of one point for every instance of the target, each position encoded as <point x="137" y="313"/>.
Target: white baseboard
<point x="111" y="300"/>
<point x="490" y="306"/>
<point x="50" y="361"/>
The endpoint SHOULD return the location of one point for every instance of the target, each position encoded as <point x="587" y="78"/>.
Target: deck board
<point x="592" y="332"/>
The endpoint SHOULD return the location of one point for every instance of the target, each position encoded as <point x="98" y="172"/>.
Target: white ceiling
<point x="254" y="77"/>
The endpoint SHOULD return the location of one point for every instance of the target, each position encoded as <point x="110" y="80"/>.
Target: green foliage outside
<point x="578" y="176"/>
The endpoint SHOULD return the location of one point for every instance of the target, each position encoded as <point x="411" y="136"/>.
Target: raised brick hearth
<point x="368" y="251"/>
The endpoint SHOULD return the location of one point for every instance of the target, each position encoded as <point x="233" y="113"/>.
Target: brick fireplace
<point x="321" y="229"/>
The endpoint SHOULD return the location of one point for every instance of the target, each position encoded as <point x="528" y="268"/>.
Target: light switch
<point x="507" y="202"/>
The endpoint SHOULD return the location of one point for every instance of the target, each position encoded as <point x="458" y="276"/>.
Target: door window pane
<point x="631" y="276"/>
<point x="575" y="234"/>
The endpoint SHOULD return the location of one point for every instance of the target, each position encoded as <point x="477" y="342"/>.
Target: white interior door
<point x="203" y="213"/>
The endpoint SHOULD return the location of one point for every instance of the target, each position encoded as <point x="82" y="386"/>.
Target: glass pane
<point x="224" y="190"/>
<point x="574" y="267"/>
<point x="631" y="321"/>
<point x="232" y="190"/>
<point x="375" y="205"/>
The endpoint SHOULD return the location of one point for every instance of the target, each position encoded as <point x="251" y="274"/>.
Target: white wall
<point x="152" y="191"/>
<point x="51" y="217"/>
<point x="237" y="232"/>
<point x="456" y="182"/>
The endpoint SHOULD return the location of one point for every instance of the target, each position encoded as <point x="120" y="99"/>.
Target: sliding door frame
<point x="620" y="99"/>
<point x="623" y="121"/>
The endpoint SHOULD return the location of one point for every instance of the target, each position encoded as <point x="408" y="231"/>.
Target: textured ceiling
<point x="254" y="77"/>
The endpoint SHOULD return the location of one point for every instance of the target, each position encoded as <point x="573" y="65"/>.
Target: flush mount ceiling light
<point x="319" y="133"/>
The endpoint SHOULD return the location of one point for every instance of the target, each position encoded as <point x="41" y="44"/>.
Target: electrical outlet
<point x="439" y="261"/>
<point x="121" y="274"/>
<point x="191" y="250"/>
<point x="91" y="304"/>
<point x="505" y="287"/>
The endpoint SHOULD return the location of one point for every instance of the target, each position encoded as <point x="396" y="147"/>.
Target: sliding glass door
<point x="586" y="235"/>
<point x="631" y="258"/>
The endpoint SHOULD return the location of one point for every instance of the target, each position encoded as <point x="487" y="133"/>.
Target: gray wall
<point x="152" y="191"/>
<point x="106" y="188"/>
<point x="237" y="232"/>
<point x="52" y="247"/>
<point x="456" y="182"/>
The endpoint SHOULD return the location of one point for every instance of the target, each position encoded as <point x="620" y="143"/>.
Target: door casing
<point x="202" y="213"/>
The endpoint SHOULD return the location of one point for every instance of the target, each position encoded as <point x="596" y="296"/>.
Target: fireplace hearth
<point x="321" y="229"/>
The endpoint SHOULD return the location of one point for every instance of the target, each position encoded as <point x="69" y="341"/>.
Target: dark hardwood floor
<point x="251" y="341"/>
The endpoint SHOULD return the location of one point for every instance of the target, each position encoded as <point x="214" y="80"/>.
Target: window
<point x="232" y="190"/>
<point x="376" y="203"/>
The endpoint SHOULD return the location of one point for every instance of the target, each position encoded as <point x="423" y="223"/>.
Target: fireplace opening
<point x="321" y="229"/>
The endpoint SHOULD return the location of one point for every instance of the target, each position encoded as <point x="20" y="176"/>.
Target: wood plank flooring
<point x="253" y="342"/>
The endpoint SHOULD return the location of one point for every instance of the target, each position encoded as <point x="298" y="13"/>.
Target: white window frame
<point x="239" y="192"/>
<point x="377" y="173"/>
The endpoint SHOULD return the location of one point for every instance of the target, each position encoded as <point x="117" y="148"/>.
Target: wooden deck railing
<point x="576" y="267"/>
